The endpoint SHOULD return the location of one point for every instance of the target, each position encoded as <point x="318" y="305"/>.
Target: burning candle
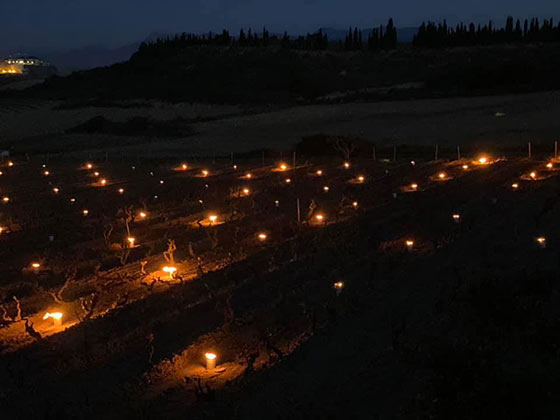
<point x="283" y="166"/>
<point x="170" y="270"/>
<point x="85" y="212"/>
<point x="161" y="181"/>
<point x="288" y="180"/>
<point x="338" y="286"/>
<point x="248" y="175"/>
<point x="55" y="316"/>
<point x="212" y="218"/>
<point x="361" y="178"/>
<point x="6" y="199"/>
<point x="56" y="190"/>
<point x="103" y="182"/>
<point x="121" y="190"/>
<point x="533" y="175"/>
<point x="346" y="165"/>
<point x="235" y="167"/>
<point x="89" y="166"/>
<point x="35" y="267"/>
<point x="549" y="165"/>
<point x="131" y="240"/>
<point x="10" y="163"/>
<point x="246" y="191"/>
<point x="326" y="189"/>
<point x="515" y="186"/>
<point x="46" y="173"/>
<point x="143" y="214"/>
<point x="483" y="160"/>
<point x="456" y="218"/>
<point x="319" y="172"/>
<point x="465" y="167"/>
<point x="355" y="204"/>
<point x="413" y="163"/>
<point x="409" y="244"/>
<point x="320" y="217"/>
<point x="414" y="186"/>
<point x="541" y="241"/>
<point x="72" y="200"/>
<point x="442" y="175"/>
<point x="205" y="173"/>
<point x="262" y="237"/>
<point x="210" y="361"/>
<point x="96" y="173"/>
<point x="184" y="166"/>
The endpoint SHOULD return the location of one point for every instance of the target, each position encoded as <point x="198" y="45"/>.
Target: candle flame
<point x="54" y="315"/>
<point x="262" y="236"/>
<point x="210" y="356"/>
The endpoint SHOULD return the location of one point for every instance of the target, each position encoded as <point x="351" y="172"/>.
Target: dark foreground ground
<point x="464" y="325"/>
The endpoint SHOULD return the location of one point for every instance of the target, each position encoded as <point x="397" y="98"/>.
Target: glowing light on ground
<point x="210" y="361"/>
<point x="170" y="270"/>
<point x="55" y="316"/>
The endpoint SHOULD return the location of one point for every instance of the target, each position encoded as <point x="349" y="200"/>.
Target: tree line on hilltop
<point x="442" y="35"/>
<point x="381" y="38"/>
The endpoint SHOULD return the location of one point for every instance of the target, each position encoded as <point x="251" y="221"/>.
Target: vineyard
<point x="122" y="283"/>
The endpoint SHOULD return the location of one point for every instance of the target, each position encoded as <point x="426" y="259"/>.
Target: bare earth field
<point x="384" y="289"/>
<point x="450" y="121"/>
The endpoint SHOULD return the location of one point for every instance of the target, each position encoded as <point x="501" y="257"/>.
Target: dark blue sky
<point x="61" y="24"/>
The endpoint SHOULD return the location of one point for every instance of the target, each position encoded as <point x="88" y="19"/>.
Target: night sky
<point x="62" y="24"/>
